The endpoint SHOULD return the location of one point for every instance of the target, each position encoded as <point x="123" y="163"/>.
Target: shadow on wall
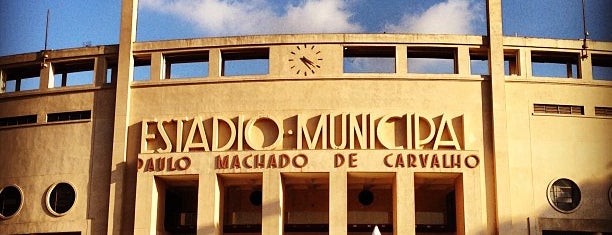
<point x="101" y="176"/>
<point x="123" y="183"/>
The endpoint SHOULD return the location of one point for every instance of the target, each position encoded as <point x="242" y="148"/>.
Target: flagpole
<point x="585" y="32"/>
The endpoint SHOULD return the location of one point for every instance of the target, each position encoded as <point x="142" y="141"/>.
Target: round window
<point x="11" y="200"/>
<point x="610" y="195"/>
<point x="366" y="197"/>
<point x="564" y="195"/>
<point x="255" y="198"/>
<point x="60" y="198"/>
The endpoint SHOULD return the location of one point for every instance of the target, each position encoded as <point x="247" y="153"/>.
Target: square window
<point x="73" y="73"/>
<point x="245" y="62"/>
<point x="187" y="65"/>
<point x="369" y="59"/>
<point x="434" y="60"/>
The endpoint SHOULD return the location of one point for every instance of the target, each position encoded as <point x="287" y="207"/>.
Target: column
<point x="524" y="62"/>
<point x="123" y="172"/>
<point x="210" y="203"/>
<point x="214" y="63"/>
<point x="404" y="220"/>
<point x="2" y="81"/>
<point x="401" y="59"/>
<point x="586" y="67"/>
<point x="147" y="207"/>
<point x="338" y="189"/>
<point x="46" y="82"/>
<point x="272" y="203"/>
<point x="99" y="71"/>
<point x="499" y="122"/>
<point x="157" y="67"/>
<point x="46" y="77"/>
<point x="463" y="61"/>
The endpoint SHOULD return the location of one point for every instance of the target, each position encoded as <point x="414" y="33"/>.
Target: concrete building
<point x="308" y="134"/>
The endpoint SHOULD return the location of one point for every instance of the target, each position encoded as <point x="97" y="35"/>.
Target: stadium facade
<point x="308" y="134"/>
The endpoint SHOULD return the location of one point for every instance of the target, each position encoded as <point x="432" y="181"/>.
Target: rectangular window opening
<point x="434" y="60"/>
<point x="602" y="67"/>
<point x="18" y="120"/>
<point x="242" y="198"/>
<point x="22" y="78"/>
<point x="194" y="65"/>
<point x="479" y="62"/>
<point x="177" y="203"/>
<point x="554" y="64"/>
<point x="11" y="86"/>
<point x="369" y="59"/>
<point x="510" y="63"/>
<point x="73" y="73"/>
<point x="69" y="116"/>
<point x="142" y="69"/>
<point x="558" y="109"/>
<point x="370" y="202"/>
<point x="435" y="200"/>
<point x="245" y="62"/>
<point x="603" y="111"/>
<point x="28" y="84"/>
<point x="111" y="71"/>
<point x="306" y="203"/>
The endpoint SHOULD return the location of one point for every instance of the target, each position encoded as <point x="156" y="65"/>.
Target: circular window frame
<point x="48" y="196"/>
<point x="610" y="195"/>
<point x="3" y="217"/>
<point x="366" y="197"/>
<point x="552" y="203"/>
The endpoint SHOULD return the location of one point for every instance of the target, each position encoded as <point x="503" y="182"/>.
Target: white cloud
<point x="233" y="17"/>
<point x="370" y="64"/>
<point x="448" y="17"/>
<point x="430" y="65"/>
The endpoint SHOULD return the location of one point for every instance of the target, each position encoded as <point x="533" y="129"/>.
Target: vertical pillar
<point x="46" y="77"/>
<point x="157" y="67"/>
<point x="338" y="193"/>
<point x="2" y="81"/>
<point x="46" y="82"/>
<point x="500" y="157"/>
<point x="401" y="59"/>
<point x="214" y="63"/>
<point x="524" y="61"/>
<point x="210" y="203"/>
<point x="275" y="62"/>
<point x="272" y="209"/>
<point x="585" y="69"/>
<point x="463" y="61"/>
<point x="404" y="218"/>
<point x="99" y="71"/>
<point x="146" y="207"/>
<point x="123" y="170"/>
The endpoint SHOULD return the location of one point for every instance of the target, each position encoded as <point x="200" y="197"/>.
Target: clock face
<point x="305" y="59"/>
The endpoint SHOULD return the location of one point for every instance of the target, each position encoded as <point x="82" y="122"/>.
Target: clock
<point x="305" y="59"/>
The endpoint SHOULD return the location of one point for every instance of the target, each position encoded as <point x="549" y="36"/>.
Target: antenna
<point x="44" y="52"/>
<point x="47" y="27"/>
<point x="586" y="32"/>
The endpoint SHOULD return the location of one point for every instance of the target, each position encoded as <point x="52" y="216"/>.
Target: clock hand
<point x="306" y="62"/>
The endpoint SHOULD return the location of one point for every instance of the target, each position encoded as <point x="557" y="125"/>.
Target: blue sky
<point x="75" y="23"/>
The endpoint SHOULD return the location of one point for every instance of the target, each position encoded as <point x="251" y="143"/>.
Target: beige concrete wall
<point x="540" y="148"/>
<point x="545" y="147"/>
<point x="42" y="154"/>
<point x="286" y="98"/>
